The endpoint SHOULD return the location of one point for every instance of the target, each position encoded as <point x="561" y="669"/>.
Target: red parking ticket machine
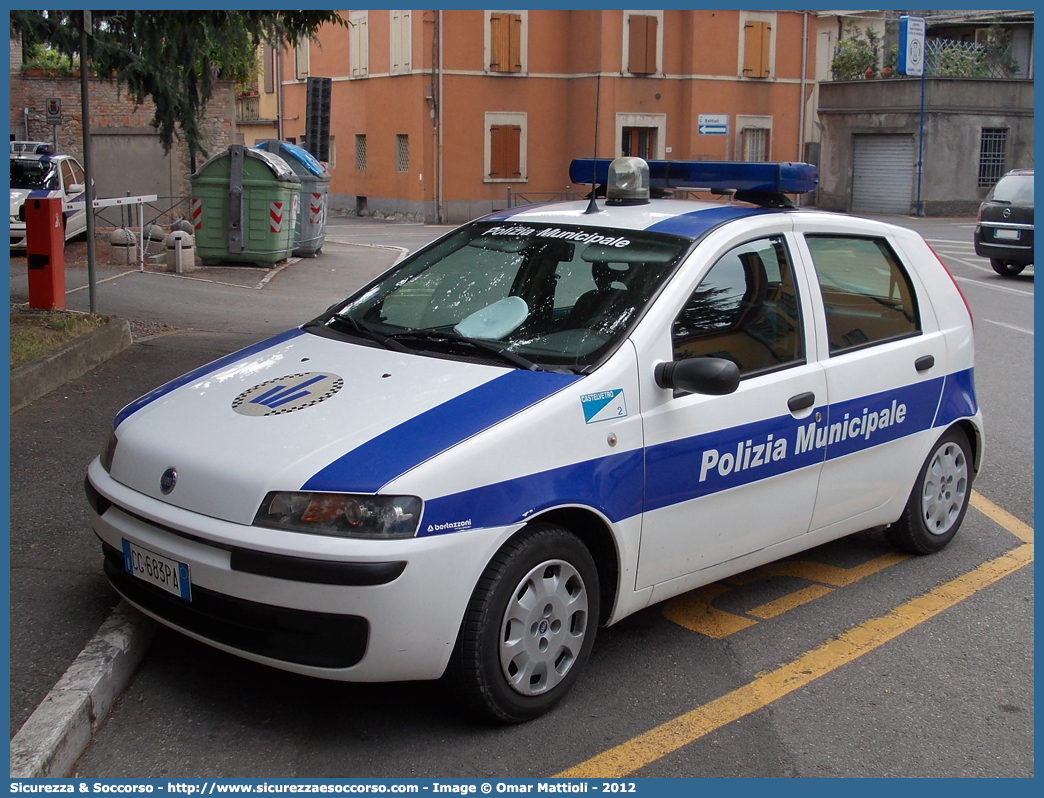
<point x="45" y="252"/>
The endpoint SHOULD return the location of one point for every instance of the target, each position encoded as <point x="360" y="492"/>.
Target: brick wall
<point x="110" y="108"/>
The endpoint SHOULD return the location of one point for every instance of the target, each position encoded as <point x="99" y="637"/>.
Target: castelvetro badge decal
<point x="287" y="394"/>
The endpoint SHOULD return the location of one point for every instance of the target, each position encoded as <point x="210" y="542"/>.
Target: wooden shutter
<point x="756" y="39"/>
<point x="268" y="66"/>
<point x="505" y="147"/>
<point x="359" y="46"/>
<point x="401" y="41"/>
<point x="505" y="39"/>
<point x="642" y="44"/>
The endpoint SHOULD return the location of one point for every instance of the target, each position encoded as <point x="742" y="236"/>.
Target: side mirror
<point x="76" y="188"/>
<point x="713" y="376"/>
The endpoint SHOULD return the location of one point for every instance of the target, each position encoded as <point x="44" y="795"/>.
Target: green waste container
<point x="310" y="230"/>
<point x="244" y="207"/>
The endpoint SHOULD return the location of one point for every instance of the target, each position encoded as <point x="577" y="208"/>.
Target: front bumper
<point x="350" y="610"/>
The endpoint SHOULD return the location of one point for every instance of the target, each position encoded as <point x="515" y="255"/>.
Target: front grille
<point x="316" y="639"/>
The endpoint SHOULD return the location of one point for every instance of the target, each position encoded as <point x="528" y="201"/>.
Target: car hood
<point x="18" y="197"/>
<point x="302" y="411"/>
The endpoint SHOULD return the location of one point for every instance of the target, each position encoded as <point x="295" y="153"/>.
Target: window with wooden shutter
<point x="301" y="53"/>
<point x="505" y="42"/>
<point x="757" y="38"/>
<point x="401" y="41"/>
<point x="505" y="148"/>
<point x="642" y="44"/>
<point x="359" y="44"/>
<point x="268" y="66"/>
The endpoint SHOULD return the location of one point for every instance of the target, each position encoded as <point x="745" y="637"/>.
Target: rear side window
<point x="866" y="292"/>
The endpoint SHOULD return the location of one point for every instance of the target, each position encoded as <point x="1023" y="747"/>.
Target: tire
<point x="529" y="627"/>
<point x="939" y="498"/>
<point x="1006" y="269"/>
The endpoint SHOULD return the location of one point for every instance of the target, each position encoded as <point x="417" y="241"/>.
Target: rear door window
<point x="867" y="293"/>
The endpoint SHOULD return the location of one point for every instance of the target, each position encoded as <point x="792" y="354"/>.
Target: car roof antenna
<point x="592" y="206"/>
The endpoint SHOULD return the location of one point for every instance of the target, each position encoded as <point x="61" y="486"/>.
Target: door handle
<point x="801" y="401"/>
<point x="924" y="363"/>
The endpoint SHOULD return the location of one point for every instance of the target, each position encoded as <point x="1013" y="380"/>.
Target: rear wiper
<point x="451" y="336"/>
<point x="365" y="331"/>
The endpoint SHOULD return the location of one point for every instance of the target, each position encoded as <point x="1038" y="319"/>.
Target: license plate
<point x="163" y="572"/>
<point x="1011" y="235"/>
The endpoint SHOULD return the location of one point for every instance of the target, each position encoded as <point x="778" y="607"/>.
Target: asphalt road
<point x="951" y="694"/>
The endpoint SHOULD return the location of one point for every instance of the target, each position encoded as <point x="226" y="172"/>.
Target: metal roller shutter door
<point x="883" y="174"/>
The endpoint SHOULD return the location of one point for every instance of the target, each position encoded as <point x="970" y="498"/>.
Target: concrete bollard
<point x="154" y="240"/>
<point x="181" y="255"/>
<point x="123" y="247"/>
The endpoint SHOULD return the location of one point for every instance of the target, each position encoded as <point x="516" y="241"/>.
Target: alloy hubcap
<point x="544" y="627"/>
<point x="945" y="489"/>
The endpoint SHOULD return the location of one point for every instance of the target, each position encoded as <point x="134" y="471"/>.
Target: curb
<point x="59" y="730"/>
<point x="69" y="361"/>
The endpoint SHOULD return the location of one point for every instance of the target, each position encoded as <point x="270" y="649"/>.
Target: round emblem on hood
<point x="168" y="481"/>
<point x="287" y="394"/>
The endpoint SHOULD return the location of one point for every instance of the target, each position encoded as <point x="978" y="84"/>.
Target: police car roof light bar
<point x="759" y="183"/>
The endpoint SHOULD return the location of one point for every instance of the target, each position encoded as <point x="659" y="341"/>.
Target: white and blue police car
<point x="547" y="420"/>
<point x="37" y="174"/>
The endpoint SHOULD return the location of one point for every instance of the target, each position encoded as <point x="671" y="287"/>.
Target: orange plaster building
<point x="447" y="115"/>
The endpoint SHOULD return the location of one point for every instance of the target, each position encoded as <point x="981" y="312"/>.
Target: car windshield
<point x="1016" y="189"/>
<point x="33" y="174"/>
<point x="552" y="296"/>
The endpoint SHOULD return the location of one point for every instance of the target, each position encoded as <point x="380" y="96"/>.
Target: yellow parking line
<point x="695" y="611"/>
<point x="1019" y="529"/>
<point x="788" y="602"/>
<point x="767" y="688"/>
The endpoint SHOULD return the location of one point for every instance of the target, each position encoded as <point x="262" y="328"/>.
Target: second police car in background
<point x="543" y="422"/>
<point x="36" y="173"/>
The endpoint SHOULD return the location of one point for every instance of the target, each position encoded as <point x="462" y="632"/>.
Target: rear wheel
<point x="529" y="627"/>
<point x="939" y="498"/>
<point x="1005" y="268"/>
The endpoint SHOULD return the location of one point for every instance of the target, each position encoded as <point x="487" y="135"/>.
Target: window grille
<point x="755" y="144"/>
<point x="402" y="153"/>
<point x="992" y="146"/>
<point x="360" y="151"/>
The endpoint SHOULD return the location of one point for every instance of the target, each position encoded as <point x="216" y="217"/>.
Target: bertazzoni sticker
<point x="604" y="405"/>
<point x="287" y="394"/>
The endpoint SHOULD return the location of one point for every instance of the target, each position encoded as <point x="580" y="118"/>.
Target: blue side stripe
<point x="202" y="371"/>
<point x="372" y="465"/>
<point x="696" y="223"/>
<point x="673" y="470"/>
<point x="958" y="399"/>
<point x="612" y="485"/>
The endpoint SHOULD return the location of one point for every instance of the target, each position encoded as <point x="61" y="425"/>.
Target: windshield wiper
<point x="363" y="330"/>
<point x="451" y="336"/>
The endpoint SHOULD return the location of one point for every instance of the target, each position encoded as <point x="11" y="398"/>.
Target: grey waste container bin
<point x="315" y="188"/>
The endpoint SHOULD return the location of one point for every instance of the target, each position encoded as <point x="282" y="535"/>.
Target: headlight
<point x="341" y="514"/>
<point x="108" y="451"/>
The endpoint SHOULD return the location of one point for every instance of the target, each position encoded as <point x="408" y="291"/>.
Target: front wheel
<point x="1005" y="268"/>
<point x="939" y="498"/>
<point x="529" y="626"/>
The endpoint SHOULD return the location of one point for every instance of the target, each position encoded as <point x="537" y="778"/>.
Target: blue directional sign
<point x="712" y="124"/>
